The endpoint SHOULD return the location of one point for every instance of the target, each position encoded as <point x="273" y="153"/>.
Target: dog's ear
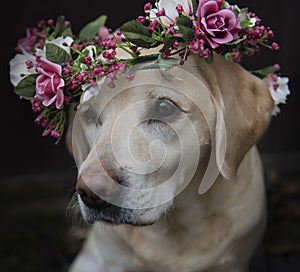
<point x="71" y="117"/>
<point x="244" y="111"/>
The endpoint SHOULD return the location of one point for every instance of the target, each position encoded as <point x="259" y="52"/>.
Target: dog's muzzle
<point x="94" y="208"/>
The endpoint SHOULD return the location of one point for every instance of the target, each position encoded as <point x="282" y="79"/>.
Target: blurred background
<point x="38" y="177"/>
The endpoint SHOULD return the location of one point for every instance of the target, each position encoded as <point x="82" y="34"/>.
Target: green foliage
<point x="168" y="42"/>
<point x="264" y="72"/>
<point x="185" y="27"/>
<point x="90" y="30"/>
<point x="163" y="65"/>
<point x="26" y="87"/>
<point x="56" y="54"/>
<point x="195" y="5"/>
<point x="138" y="34"/>
<point x="61" y="29"/>
<point x="245" y="21"/>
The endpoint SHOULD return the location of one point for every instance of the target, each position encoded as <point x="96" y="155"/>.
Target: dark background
<point x="37" y="177"/>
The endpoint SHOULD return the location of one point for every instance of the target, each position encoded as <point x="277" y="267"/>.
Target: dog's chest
<point x="177" y="250"/>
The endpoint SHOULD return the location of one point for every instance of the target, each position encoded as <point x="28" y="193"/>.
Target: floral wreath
<point x="54" y="68"/>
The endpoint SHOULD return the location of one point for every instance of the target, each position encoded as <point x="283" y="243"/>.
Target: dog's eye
<point x="166" y="110"/>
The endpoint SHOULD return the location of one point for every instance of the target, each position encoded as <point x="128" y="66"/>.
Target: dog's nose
<point x="89" y="198"/>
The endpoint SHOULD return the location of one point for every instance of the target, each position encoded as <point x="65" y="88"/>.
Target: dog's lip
<point x="112" y="216"/>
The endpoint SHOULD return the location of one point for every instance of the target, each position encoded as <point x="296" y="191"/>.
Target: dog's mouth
<point x="112" y="215"/>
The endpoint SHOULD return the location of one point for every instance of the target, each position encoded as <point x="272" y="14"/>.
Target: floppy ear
<point x="245" y="105"/>
<point x="71" y="116"/>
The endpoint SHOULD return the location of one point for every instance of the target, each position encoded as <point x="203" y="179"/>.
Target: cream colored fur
<point x="211" y="232"/>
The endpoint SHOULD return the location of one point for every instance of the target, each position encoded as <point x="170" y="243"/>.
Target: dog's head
<point x="139" y="145"/>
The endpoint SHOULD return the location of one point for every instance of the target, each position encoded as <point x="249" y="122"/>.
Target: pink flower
<point x="103" y="33"/>
<point x="196" y="46"/>
<point x="216" y="26"/>
<point x="49" y="84"/>
<point x="28" y="42"/>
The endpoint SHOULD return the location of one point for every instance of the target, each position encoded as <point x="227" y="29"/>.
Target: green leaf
<point x="26" y="87"/>
<point x="184" y="21"/>
<point x="168" y="42"/>
<point x="210" y="59"/>
<point x="225" y="5"/>
<point x="56" y="54"/>
<point x="185" y="27"/>
<point x="187" y="33"/>
<point x="61" y="29"/>
<point x="163" y="65"/>
<point x="243" y="16"/>
<point x="238" y="41"/>
<point x="228" y="56"/>
<point x="166" y="64"/>
<point x="90" y="30"/>
<point x="138" y="34"/>
<point x="195" y="6"/>
<point x="245" y="21"/>
<point x="262" y="73"/>
<point x="67" y="32"/>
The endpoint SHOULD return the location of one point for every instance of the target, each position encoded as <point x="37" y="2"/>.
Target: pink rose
<point x="217" y="26"/>
<point x="49" y="83"/>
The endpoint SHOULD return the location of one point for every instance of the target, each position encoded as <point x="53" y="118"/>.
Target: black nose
<point x="89" y="198"/>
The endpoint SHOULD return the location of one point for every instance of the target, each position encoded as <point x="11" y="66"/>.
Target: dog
<point x="212" y="121"/>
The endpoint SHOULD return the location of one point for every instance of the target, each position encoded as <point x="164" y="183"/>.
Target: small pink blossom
<point x="179" y="9"/>
<point x="161" y="12"/>
<point x="130" y="76"/>
<point x="141" y="19"/>
<point x="55" y="134"/>
<point x="216" y="26"/>
<point x="147" y="6"/>
<point x="49" y="84"/>
<point x="275" y="46"/>
<point x="196" y="46"/>
<point x="29" y="41"/>
<point x="50" y="22"/>
<point x="153" y="25"/>
<point x="103" y="33"/>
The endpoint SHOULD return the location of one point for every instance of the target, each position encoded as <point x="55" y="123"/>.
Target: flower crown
<point x="54" y="68"/>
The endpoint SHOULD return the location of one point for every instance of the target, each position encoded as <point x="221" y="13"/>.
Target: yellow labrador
<point x="168" y="170"/>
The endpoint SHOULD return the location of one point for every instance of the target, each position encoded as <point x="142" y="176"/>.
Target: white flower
<point x="279" y="90"/>
<point x="41" y="52"/>
<point x="89" y="91"/>
<point x="89" y="94"/>
<point x="18" y="67"/>
<point x="170" y="9"/>
<point x="64" y="43"/>
<point x="92" y="51"/>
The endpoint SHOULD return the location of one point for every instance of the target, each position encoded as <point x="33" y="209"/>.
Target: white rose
<point x="279" y="91"/>
<point x="18" y="67"/>
<point x="64" y="43"/>
<point x="170" y="9"/>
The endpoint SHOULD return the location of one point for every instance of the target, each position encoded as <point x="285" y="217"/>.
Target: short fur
<point x="215" y="231"/>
